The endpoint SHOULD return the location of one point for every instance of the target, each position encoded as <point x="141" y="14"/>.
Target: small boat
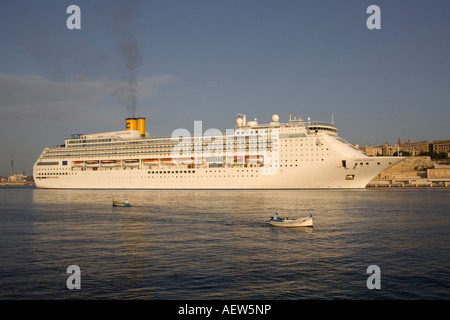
<point x="131" y="162"/>
<point x="151" y="161"/>
<point x="168" y="161"/>
<point x="117" y="203"/>
<point x="92" y="163"/>
<point x="254" y="159"/>
<point x="291" y="223"/>
<point x="186" y="160"/>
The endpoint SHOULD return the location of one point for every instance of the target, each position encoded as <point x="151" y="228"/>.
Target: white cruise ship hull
<point x="311" y="176"/>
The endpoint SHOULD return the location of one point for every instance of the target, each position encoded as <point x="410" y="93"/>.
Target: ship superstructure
<point x="293" y="155"/>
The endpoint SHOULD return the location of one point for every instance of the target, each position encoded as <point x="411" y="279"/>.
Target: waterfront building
<point x="441" y="146"/>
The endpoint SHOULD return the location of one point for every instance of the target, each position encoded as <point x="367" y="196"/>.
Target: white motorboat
<point x="291" y="223"/>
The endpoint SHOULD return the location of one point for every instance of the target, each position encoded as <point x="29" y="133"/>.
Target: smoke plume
<point x="129" y="54"/>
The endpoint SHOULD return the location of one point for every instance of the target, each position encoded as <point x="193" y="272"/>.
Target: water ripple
<point x="217" y="244"/>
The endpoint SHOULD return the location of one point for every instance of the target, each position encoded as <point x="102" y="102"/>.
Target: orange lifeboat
<point x="150" y="160"/>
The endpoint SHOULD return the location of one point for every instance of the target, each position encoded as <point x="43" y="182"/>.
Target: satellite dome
<point x="239" y="122"/>
<point x="275" y="118"/>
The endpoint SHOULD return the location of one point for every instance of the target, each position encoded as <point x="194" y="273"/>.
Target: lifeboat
<point x="254" y="159"/>
<point x="151" y="161"/>
<point x="186" y="160"/>
<point x="92" y="163"/>
<point x="109" y="163"/>
<point x="167" y="160"/>
<point x="131" y="162"/>
<point x="78" y="163"/>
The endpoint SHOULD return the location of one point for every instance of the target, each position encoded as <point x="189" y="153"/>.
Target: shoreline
<point x="409" y="186"/>
<point x="409" y="183"/>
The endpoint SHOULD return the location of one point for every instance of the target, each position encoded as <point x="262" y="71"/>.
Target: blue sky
<point x="209" y="60"/>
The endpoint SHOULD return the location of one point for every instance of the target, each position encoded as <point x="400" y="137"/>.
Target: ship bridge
<point x="316" y="126"/>
<point x="311" y="126"/>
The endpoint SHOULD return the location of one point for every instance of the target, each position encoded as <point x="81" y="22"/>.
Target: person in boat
<point x="275" y="216"/>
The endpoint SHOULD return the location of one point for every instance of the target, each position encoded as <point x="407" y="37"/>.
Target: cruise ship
<point x="296" y="154"/>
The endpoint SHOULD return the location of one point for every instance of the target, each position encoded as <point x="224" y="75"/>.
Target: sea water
<point x="215" y="244"/>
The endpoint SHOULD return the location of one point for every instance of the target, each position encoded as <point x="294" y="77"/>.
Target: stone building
<point x="415" y="148"/>
<point x="441" y="146"/>
<point x="372" y="151"/>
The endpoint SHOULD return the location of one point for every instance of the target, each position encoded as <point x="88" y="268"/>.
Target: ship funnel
<point x="141" y="126"/>
<point x="131" y="124"/>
